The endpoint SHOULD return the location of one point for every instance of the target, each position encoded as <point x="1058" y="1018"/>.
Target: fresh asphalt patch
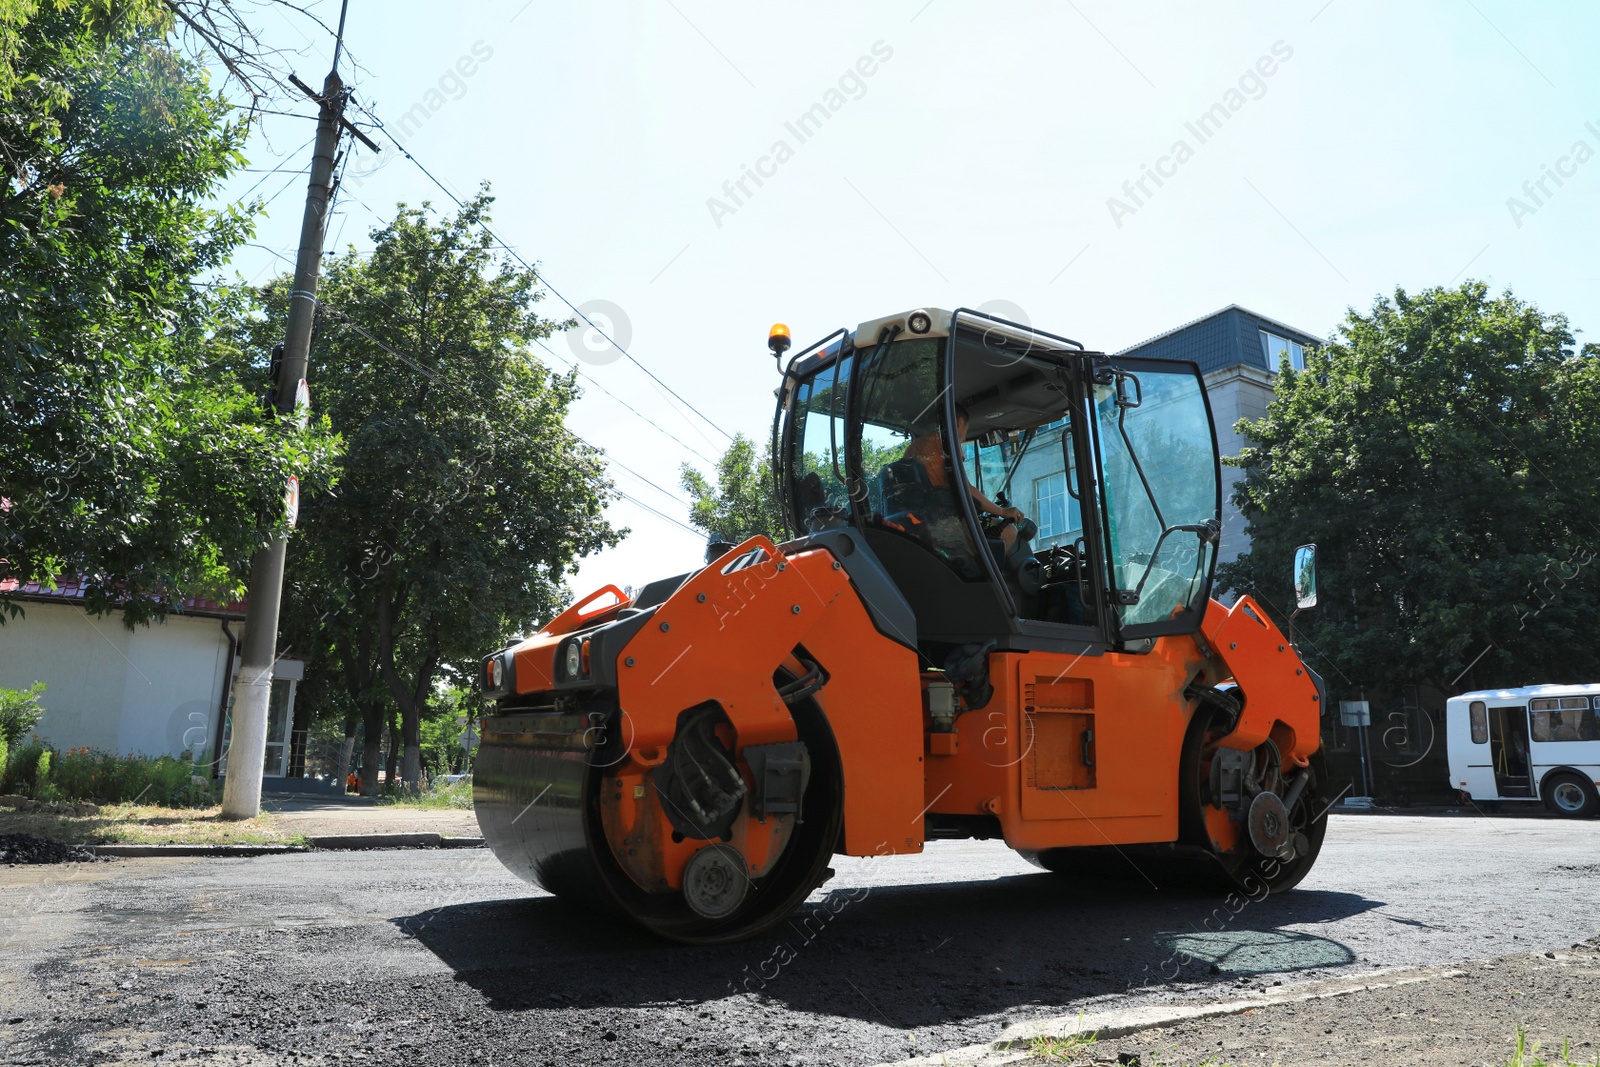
<point x="28" y="848"/>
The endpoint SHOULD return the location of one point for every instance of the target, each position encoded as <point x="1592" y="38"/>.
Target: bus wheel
<point x="1572" y="796"/>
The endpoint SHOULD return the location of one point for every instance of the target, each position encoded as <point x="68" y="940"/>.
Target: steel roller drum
<point x="528" y="791"/>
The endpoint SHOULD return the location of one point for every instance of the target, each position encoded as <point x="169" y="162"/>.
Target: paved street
<point x="442" y="957"/>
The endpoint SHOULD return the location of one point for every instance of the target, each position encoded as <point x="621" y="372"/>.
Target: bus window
<point x="1480" y="723"/>
<point x="1563" y="719"/>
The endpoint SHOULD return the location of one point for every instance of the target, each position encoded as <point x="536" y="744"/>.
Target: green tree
<point x="462" y="498"/>
<point x="1443" y="452"/>
<point x="132" y="454"/>
<point x="743" y="502"/>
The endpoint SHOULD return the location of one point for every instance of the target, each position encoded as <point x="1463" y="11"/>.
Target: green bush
<point x="20" y="712"/>
<point x="438" y="795"/>
<point x="92" y="774"/>
<point x="5" y="753"/>
<point x="23" y="769"/>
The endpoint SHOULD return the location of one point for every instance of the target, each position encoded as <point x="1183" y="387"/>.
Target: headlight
<point x="497" y="673"/>
<point x="574" y="660"/>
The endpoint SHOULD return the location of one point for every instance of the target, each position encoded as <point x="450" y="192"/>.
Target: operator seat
<point x="911" y="502"/>
<point x="903" y="486"/>
<point x="908" y="500"/>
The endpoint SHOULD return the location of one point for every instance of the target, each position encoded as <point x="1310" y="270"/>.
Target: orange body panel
<point x="1072" y="750"/>
<point x="1084" y="750"/>
<point x="719" y="638"/>
<point x="873" y="701"/>
<point x="1276" y="686"/>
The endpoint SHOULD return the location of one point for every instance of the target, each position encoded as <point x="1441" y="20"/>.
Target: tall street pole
<point x="241" y="792"/>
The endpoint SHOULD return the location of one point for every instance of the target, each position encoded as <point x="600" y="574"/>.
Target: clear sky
<point x="970" y="153"/>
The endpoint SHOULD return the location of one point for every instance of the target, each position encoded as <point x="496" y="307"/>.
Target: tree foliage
<point x="1443" y="452"/>
<point x="130" y="456"/>
<point x="743" y="502"/>
<point x="462" y="498"/>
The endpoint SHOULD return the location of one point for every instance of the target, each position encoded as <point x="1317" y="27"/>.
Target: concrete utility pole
<point x="241" y="792"/>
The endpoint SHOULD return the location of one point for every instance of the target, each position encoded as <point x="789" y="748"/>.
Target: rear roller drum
<point x="539" y="783"/>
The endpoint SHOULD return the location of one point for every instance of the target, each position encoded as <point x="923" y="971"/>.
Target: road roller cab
<point x="1009" y="636"/>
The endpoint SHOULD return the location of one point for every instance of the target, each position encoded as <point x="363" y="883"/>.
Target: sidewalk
<point x="357" y="816"/>
<point x="329" y="816"/>
<point x="1470" y="1013"/>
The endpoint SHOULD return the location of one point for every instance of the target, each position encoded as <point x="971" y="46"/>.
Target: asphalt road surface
<point x="443" y="957"/>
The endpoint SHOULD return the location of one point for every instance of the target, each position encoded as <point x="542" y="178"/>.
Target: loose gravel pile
<point x="26" y="848"/>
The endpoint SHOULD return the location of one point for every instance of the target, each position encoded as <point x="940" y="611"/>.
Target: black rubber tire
<point x="1570" y="795"/>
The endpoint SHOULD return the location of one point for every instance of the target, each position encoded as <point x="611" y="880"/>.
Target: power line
<point x="540" y="342"/>
<point x="596" y="383"/>
<point x="269" y="173"/>
<point x="570" y="364"/>
<point x="537" y="274"/>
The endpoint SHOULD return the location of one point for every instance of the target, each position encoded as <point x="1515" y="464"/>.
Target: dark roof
<point x="70" y="591"/>
<point x="1221" y="339"/>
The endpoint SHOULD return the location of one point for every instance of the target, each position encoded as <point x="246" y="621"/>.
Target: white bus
<point x="1540" y="742"/>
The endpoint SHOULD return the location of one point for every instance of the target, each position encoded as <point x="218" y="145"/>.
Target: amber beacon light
<point x="778" y="339"/>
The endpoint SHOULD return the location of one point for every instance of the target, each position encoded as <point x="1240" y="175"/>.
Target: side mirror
<point x="1305" y="576"/>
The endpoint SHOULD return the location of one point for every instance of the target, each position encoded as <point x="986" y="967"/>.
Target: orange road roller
<point x="993" y="620"/>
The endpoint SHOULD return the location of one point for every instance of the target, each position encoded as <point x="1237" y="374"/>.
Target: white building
<point x="1239" y="352"/>
<point x="153" y="690"/>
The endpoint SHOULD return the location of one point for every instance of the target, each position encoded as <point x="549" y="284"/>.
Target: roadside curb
<point x="147" y="851"/>
<point x="337" y="843"/>
<point x="357" y="842"/>
<point x="1012" y="1046"/>
<point x="462" y="842"/>
<point x="362" y="842"/>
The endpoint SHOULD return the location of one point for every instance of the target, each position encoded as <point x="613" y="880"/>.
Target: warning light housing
<point x="778" y="339"/>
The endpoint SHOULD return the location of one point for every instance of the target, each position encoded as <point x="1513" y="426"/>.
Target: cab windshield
<point x="1158" y="471"/>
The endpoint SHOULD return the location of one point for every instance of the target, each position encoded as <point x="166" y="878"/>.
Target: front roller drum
<point x="537" y="791"/>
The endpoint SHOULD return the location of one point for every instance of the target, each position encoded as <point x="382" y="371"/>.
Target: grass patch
<point x="1078" y="1048"/>
<point x="456" y="795"/>
<point x="1528" y="1055"/>
<point x="150" y="824"/>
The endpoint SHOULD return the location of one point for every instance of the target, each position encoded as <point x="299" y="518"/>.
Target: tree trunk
<point x="391" y="764"/>
<point x="370" y="754"/>
<point x="412" y="768"/>
<point x="411" y="699"/>
<point x="371" y="746"/>
<point x="342" y="771"/>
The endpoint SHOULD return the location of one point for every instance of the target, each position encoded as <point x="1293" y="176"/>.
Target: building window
<point x="1275" y="348"/>
<point x="1050" y="495"/>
